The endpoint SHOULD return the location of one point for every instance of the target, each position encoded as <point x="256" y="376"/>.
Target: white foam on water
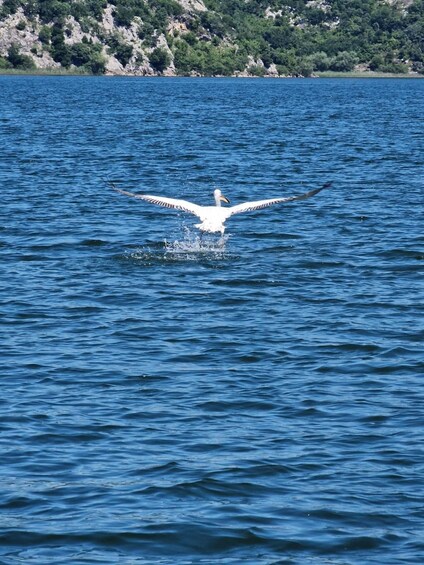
<point x="194" y="245"/>
<point x="190" y="247"/>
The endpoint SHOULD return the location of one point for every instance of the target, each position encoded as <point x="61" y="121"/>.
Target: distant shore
<point x="366" y="74"/>
<point x="325" y="74"/>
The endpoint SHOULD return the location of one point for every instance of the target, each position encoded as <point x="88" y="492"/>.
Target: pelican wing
<point x="259" y="204"/>
<point x="174" y="203"/>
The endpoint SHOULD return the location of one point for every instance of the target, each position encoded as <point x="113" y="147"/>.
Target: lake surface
<point x="166" y="399"/>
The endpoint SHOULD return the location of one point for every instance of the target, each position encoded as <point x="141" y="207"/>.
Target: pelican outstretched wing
<point x="174" y="203"/>
<point x="259" y="204"/>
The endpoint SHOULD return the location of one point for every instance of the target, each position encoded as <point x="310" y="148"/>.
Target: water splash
<point x="190" y="247"/>
<point x="194" y="244"/>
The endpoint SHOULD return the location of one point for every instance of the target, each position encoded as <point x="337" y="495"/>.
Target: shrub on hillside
<point x="123" y="16"/>
<point x="19" y="61"/>
<point x="45" y="35"/>
<point x="160" y="59"/>
<point x="80" y="54"/>
<point x="4" y="63"/>
<point x="60" y="52"/>
<point x="122" y="51"/>
<point x="394" y="67"/>
<point x="9" y="7"/>
<point x="53" y="10"/>
<point x="256" y="70"/>
<point x="344" y="61"/>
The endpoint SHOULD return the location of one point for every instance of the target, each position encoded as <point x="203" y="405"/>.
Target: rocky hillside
<point x="212" y="37"/>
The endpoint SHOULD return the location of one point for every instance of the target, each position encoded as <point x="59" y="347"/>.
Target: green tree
<point x="4" y="63"/>
<point x="256" y="70"/>
<point x="123" y="53"/>
<point x="53" y="10"/>
<point x="96" y="65"/>
<point x="212" y="22"/>
<point x="171" y="7"/>
<point x="344" y="61"/>
<point x="320" y="61"/>
<point x="10" y="7"/>
<point x="160" y="59"/>
<point x="60" y="52"/>
<point x="19" y="61"/>
<point x="305" y="67"/>
<point x="45" y="35"/>
<point x="80" y="54"/>
<point x="281" y="37"/>
<point x="123" y="16"/>
<point x="376" y="62"/>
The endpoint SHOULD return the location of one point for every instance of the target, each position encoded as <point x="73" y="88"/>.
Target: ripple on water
<point x="250" y="399"/>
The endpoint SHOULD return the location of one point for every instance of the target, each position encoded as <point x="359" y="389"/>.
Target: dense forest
<point x="213" y="37"/>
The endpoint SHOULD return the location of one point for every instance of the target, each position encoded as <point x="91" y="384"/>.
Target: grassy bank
<point x="43" y="72"/>
<point x="326" y="74"/>
<point x="366" y="74"/>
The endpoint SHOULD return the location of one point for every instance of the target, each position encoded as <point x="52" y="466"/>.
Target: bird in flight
<point x="213" y="217"/>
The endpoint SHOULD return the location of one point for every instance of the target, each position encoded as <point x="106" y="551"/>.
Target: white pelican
<point x="213" y="217"/>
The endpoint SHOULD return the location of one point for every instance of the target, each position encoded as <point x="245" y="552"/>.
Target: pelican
<point x="213" y="217"/>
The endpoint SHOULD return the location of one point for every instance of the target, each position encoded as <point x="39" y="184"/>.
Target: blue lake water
<point x="165" y="399"/>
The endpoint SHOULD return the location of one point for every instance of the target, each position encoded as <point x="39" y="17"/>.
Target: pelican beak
<point x="224" y="199"/>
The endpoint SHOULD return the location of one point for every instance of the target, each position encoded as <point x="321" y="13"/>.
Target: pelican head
<point x="219" y="197"/>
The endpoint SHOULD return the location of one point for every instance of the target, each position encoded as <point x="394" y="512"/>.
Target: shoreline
<point x="366" y="74"/>
<point x="318" y="75"/>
